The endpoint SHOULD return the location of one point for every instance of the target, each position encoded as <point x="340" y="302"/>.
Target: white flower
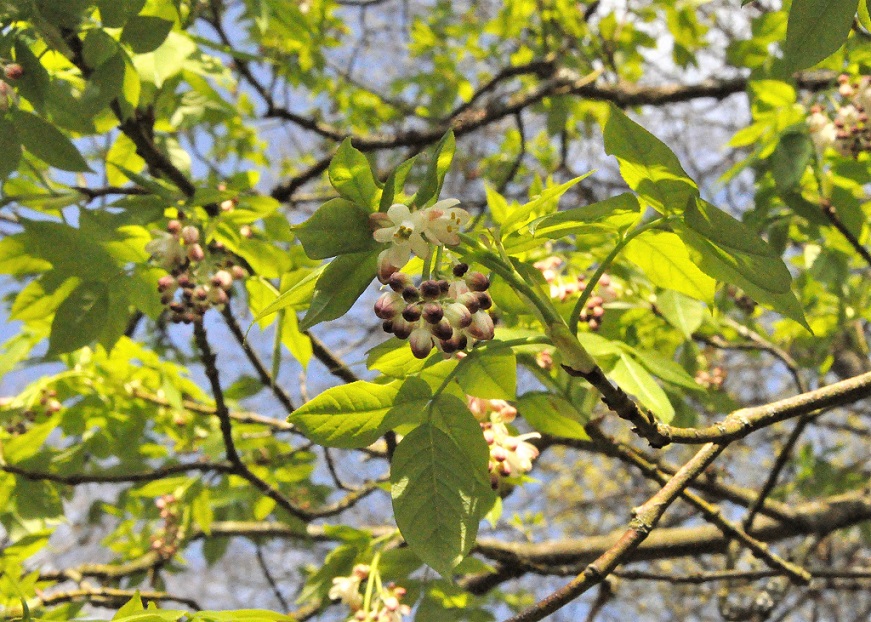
<point x="521" y="456"/>
<point x="443" y="221"/>
<point x="166" y="249"/>
<point x="347" y="589"/>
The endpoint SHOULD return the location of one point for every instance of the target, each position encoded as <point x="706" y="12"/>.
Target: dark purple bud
<point x="477" y="282"/>
<point x="484" y="300"/>
<point x="387" y="305"/>
<point x="411" y="313"/>
<point x="166" y="298"/>
<point x="460" y="269"/>
<point x="177" y="307"/>
<point x="410" y="293"/>
<point x="433" y="312"/>
<point x="398" y="281"/>
<point x="184" y="281"/>
<point x="430" y="289"/>
<point x="444" y="286"/>
<point x="470" y="299"/>
<point x="387" y="326"/>
<point x="443" y="330"/>
<point x="448" y="346"/>
<point x="402" y="328"/>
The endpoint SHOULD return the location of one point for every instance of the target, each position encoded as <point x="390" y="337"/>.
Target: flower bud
<point x="433" y="312"/>
<point x="477" y="282"/>
<point x="411" y="313"/>
<point x="470" y="300"/>
<point x="457" y="314"/>
<point x="442" y="330"/>
<point x="173" y="226"/>
<point x="222" y="279"/>
<point x="481" y="327"/>
<point x="398" y="281"/>
<point x="402" y="328"/>
<point x="165" y="283"/>
<point x="238" y="272"/>
<point x="388" y="305"/>
<point x="484" y="300"/>
<point x="13" y="71"/>
<point x="410" y="293"/>
<point x="191" y="235"/>
<point x="460" y="269"/>
<point x="387" y="326"/>
<point x="421" y="342"/>
<point x="444" y="286"/>
<point x="430" y="289"/>
<point x="196" y="253"/>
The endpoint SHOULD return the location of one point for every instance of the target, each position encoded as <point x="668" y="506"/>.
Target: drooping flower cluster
<point x="166" y="540"/>
<point x="849" y="133"/>
<point x="713" y="379"/>
<point x="203" y="281"/>
<point x="563" y="288"/>
<point x="448" y="315"/>
<point x="413" y="232"/>
<point x="385" y="606"/>
<point x="509" y="454"/>
<point x="16" y="421"/>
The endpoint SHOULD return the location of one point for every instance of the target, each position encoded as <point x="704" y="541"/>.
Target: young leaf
<point x="47" y="143"/>
<point x="352" y="177"/>
<point x="635" y="380"/>
<point x="342" y="282"/>
<point x="145" y="33"/>
<point x="394" y="184"/>
<point x="356" y="415"/>
<point x="441" y="160"/>
<point x="681" y="311"/>
<point x="554" y="415"/>
<point x="435" y="497"/>
<point x="665" y="260"/>
<point x="338" y="227"/>
<point x="296" y="297"/>
<point x="619" y="212"/>
<point x="520" y="215"/>
<point x="815" y="30"/>
<point x="80" y="318"/>
<point x="490" y="374"/>
<point x="647" y="165"/>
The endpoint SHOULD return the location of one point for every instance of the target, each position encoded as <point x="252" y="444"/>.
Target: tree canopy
<point x="382" y="310"/>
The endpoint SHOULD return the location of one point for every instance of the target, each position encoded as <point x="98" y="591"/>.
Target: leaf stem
<point x="575" y="317"/>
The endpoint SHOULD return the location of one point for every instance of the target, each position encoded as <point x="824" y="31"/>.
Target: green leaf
<point x="815" y="30"/>
<point x="790" y="159"/>
<point x="647" y="165"/>
<point x="619" y="212"/>
<point x="731" y="242"/>
<point x="145" y="33"/>
<point x="80" y="318"/>
<point x="490" y="373"/>
<point x="665" y="260"/>
<point x="498" y="205"/>
<point x="296" y="297"/>
<point x="520" y="215"/>
<point x="394" y="358"/>
<point x="357" y="414"/>
<point x="338" y="227"/>
<point x="668" y="370"/>
<point x="242" y="615"/>
<point x="35" y="83"/>
<point x="352" y="177"/>
<point x="115" y="13"/>
<point x="635" y="380"/>
<point x="20" y="448"/>
<point x="864" y="15"/>
<point x="441" y="160"/>
<point x="298" y="343"/>
<point x="394" y="184"/>
<point x="339" y="287"/>
<point x="47" y="143"/>
<point x="554" y="415"/>
<point x="681" y="311"/>
<point x="10" y="149"/>
<point x="436" y="497"/>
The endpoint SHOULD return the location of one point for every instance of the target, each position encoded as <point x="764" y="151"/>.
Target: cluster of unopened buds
<point x="711" y="379"/>
<point x="849" y="133"/>
<point x="509" y="454"/>
<point x="11" y="71"/>
<point x="386" y="604"/>
<point x="47" y="405"/>
<point x="448" y="315"/>
<point x="563" y="288"/>
<point x="166" y="540"/>
<point x="203" y="284"/>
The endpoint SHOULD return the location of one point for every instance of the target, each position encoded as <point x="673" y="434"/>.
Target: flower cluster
<point x="562" y="289"/>
<point x="413" y="232"/>
<point x="18" y="422"/>
<point x="386" y="605"/>
<point x="166" y="540"/>
<point x="849" y="133"/>
<point x="203" y="282"/>
<point x="509" y="454"/>
<point x="444" y="314"/>
<point x="711" y="379"/>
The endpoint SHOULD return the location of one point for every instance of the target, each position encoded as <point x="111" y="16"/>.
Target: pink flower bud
<point x="165" y="283"/>
<point x="222" y="279"/>
<point x="238" y="272"/>
<point x="481" y="327"/>
<point x="196" y="253"/>
<point x="457" y="314"/>
<point x="477" y="282"/>
<point x="421" y="342"/>
<point x="388" y="305"/>
<point x="13" y="71"/>
<point x="191" y="235"/>
<point x="442" y="330"/>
